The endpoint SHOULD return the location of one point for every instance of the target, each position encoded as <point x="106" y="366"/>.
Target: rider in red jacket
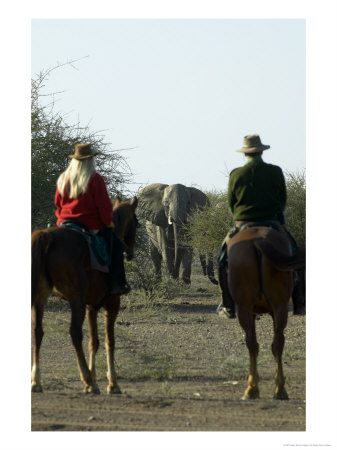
<point x="93" y="208"/>
<point x="81" y="196"/>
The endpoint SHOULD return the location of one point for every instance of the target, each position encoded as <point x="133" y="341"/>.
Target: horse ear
<point x="134" y="203"/>
<point x="116" y="202"/>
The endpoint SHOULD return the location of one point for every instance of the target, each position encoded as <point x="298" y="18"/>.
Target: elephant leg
<point x="156" y="259"/>
<point x="210" y="269"/>
<point x="179" y="249"/>
<point x="203" y="264"/>
<point x="167" y="246"/>
<point x="187" y="265"/>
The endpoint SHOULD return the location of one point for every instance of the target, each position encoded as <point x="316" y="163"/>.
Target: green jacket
<point x="256" y="191"/>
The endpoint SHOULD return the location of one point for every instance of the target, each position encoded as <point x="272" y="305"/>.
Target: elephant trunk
<point x="178" y="251"/>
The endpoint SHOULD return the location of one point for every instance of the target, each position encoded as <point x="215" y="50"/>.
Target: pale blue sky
<point x="184" y="92"/>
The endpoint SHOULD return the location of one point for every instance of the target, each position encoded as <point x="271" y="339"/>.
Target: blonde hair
<point x="75" y="179"/>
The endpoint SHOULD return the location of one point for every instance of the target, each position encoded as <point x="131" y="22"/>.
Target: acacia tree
<point x="52" y="140"/>
<point x="296" y="205"/>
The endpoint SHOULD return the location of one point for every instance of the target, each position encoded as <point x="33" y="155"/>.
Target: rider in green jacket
<point x="256" y="193"/>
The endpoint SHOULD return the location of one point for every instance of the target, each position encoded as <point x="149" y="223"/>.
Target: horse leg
<point x="247" y="321"/>
<point x="156" y="259"/>
<point x="37" y="315"/>
<point x="111" y="311"/>
<point x="280" y="320"/>
<point x="93" y="343"/>
<point x="77" y="319"/>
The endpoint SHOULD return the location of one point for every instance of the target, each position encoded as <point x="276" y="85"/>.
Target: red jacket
<point x="93" y="208"/>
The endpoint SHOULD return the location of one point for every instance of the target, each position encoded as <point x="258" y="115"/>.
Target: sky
<point x="189" y="94"/>
<point x="180" y="94"/>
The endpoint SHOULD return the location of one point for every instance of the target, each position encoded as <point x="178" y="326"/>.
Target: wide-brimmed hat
<point x="83" y="151"/>
<point x="252" y="144"/>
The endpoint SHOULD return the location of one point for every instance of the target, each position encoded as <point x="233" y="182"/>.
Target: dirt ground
<point x="180" y="367"/>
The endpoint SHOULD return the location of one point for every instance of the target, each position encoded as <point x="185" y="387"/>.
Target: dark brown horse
<point x="260" y="281"/>
<point x="61" y="264"/>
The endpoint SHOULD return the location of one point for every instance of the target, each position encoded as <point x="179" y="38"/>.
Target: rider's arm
<point x="102" y="200"/>
<point x="283" y="191"/>
<point x="230" y="196"/>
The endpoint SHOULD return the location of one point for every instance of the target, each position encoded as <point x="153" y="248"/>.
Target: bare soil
<point x="181" y="368"/>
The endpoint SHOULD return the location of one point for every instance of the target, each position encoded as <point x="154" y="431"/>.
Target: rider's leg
<point x="117" y="278"/>
<point x="227" y="306"/>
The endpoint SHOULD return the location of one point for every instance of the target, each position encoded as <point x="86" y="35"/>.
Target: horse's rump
<point x="274" y="245"/>
<point x="57" y="254"/>
<point x="260" y="261"/>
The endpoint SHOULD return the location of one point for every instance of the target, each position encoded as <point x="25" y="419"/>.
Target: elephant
<point x="166" y="208"/>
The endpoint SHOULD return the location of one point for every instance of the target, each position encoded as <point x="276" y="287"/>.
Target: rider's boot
<point x="226" y="307"/>
<point x="117" y="283"/>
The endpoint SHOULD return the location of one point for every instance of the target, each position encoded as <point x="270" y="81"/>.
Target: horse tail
<point x="280" y="260"/>
<point x="41" y="241"/>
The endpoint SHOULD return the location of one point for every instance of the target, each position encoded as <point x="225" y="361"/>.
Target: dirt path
<point x="181" y="368"/>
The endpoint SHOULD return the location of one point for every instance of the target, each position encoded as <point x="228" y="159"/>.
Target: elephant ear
<point x="198" y="199"/>
<point x="150" y="204"/>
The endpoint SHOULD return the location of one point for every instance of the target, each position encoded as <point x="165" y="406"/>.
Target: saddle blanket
<point x="99" y="255"/>
<point x="241" y="225"/>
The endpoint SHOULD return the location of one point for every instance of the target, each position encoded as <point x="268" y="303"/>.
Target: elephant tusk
<point x="170" y="221"/>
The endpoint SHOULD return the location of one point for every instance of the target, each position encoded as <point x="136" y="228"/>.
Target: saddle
<point x="241" y="225"/>
<point x="260" y="223"/>
<point x="99" y="254"/>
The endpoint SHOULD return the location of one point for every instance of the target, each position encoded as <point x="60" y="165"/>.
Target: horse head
<point x="126" y="223"/>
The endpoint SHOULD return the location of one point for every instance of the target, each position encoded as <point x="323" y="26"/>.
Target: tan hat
<point x="83" y="151"/>
<point x="252" y="144"/>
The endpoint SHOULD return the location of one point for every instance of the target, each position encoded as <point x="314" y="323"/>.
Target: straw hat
<point x="83" y="151"/>
<point x="252" y="144"/>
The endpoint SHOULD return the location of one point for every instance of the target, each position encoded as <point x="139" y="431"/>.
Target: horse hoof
<point x="227" y="313"/>
<point x="251" y="394"/>
<point x="281" y="395"/>
<point x="114" y="389"/>
<point x="36" y="387"/>
<point x="94" y="389"/>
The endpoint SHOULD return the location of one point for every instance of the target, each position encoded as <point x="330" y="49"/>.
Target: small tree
<point x="296" y="205"/>
<point x="52" y="140"/>
<point x="207" y="228"/>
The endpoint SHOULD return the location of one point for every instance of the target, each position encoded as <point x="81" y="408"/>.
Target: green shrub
<point x="296" y="205"/>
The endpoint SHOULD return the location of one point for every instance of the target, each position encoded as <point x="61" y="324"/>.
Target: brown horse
<point x="61" y="264"/>
<point x="260" y="281"/>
